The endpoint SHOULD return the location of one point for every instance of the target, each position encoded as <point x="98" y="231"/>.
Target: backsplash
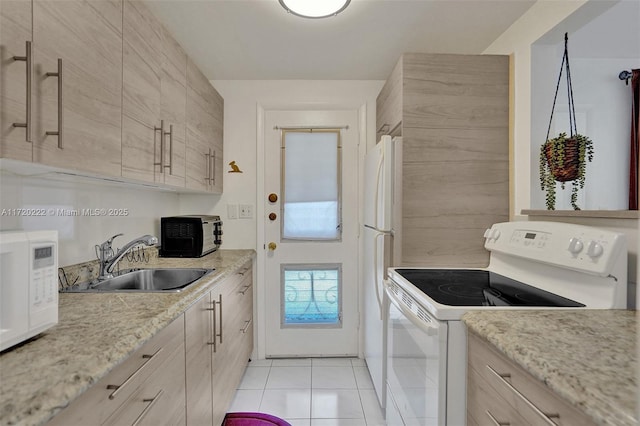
<point x="84" y="212"/>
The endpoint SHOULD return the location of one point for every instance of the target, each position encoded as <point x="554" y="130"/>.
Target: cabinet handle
<point x="244" y="271"/>
<point x="206" y="156"/>
<point x="59" y="132"/>
<point x="220" y="316"/>
<point x="161" y="130"/>
<point x="244" y="329"/>
<point x="116" y="388"/>
<point x="150" y="403"/>
<point x="244" y="289"/>
<point x="212" y="158"/>
<point x="29" y="67"/>
<point x="213" y="322"/>
<point x="545" y="417"/>
<point x="496" y="422"/>
<point x="170" y="133"/>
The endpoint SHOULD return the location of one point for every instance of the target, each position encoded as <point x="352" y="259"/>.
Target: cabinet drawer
<point x="160" y="399"/>
<point x="485" y="406"/>
<point x="531" y="399"/>
<point x="113" y="390"/>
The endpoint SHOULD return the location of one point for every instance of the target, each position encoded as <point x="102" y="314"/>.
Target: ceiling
<point x="259" y="40"/>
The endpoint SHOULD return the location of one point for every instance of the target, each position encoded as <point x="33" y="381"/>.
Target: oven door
<point x="416" y="363"/>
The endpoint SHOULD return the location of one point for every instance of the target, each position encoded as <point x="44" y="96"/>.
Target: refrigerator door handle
<point x="375" y="274"/>
<point x="377" y="192"/>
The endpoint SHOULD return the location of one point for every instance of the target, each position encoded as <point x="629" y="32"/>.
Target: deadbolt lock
<point x="273" y="197"/>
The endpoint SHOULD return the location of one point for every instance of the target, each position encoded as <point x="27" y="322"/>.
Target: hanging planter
<point x="563" y="159"/>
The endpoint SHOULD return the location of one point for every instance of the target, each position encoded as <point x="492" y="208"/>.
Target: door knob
<point x="273" y="197"/>
<point x="272" y="216"/>
<point x="272" y="246"/>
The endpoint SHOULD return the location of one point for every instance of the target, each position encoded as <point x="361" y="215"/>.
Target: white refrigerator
<point x="381" y="242"/>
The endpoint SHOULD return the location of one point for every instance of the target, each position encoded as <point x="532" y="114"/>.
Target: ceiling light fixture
<point x="315" y="9"/>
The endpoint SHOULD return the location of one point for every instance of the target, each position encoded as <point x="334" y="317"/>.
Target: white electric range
<point x="533" y="265"/>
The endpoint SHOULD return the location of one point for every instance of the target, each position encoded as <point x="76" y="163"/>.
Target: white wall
<point x="241" y="99"/>
<point x="140" y="211"/>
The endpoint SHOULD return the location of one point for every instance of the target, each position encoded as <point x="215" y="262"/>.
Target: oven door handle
<point x="428" y="324"/>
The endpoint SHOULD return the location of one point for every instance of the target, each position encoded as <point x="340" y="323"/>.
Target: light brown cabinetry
<point x="452" y="112"/>
<point x="82" y="41"/>
<point x="148" y="388"/>
<point x="122" y="106"/>
<point x="205" y="117"/>
<point x="15" y="39"/>
<point x="501" y="392"/>
<point x="219" y="341"/>
<point x="153" y="101"/>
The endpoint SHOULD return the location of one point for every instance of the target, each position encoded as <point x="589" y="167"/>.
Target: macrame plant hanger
<point x="570" y="172"/>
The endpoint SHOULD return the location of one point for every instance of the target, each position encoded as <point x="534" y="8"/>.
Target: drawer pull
<point x="243" y="271"/>
<point x="244" y="289"/>
<point x="547" y="417"/>
<point x="496" y="422"/>
<point x="150" y="403"/>
<point x="247" y="323"/>
<point x="116" y="388"/>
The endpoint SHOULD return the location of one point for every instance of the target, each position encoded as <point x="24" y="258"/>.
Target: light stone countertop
<point x="95" y="333"/>
<point x="588" y="357"/>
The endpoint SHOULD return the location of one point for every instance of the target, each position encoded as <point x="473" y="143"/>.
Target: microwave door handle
<point x="431" y="327"/>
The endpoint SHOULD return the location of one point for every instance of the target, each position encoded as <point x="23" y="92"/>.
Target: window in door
<point x="311" y="181"/>
<point x="311" y="295"/>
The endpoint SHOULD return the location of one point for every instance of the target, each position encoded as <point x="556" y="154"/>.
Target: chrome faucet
<point x="109" y="259"/>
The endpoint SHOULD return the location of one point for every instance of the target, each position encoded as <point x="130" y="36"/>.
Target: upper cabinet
<point x="389" y="104"/>
<point x="100" y="86"/>
<point x="453" y="114"/>
<point x="78" y="82"/>
<point x="17" y="78"/>
<point x="153" y="101"/>
<point x="205" y="114"/>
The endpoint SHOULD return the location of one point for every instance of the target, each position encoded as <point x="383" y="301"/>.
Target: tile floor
<point x="311" y="392"/>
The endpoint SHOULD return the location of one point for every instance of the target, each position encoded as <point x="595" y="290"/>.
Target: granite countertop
<point x="588" y="357"/>
<point x="95" y="333"/>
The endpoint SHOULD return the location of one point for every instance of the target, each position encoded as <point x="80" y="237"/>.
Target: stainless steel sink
<point x="144" y="280"/>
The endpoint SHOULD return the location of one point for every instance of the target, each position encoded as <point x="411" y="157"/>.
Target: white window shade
<point x="311" y="185"/>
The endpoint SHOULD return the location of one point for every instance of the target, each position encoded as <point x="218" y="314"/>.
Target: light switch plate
<point x="232" y="211"/>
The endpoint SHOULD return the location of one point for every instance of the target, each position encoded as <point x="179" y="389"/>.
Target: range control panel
<point x="583" y="248"/>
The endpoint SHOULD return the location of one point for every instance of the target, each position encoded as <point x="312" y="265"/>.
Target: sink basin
<point x="145" y="280"/>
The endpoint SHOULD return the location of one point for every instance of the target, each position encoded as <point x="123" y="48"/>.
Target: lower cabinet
<point x="187" y="374"/>
<point x="499" y="392"/>
<point x="147" y="389"/>
<point x="219" y="341"/>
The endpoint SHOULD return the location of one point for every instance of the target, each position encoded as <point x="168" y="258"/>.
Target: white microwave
<point x="28" y="284"/>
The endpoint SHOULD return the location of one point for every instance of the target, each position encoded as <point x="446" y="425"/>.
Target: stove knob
<point x="575" y="246"/>
<point x="594" y="249"/>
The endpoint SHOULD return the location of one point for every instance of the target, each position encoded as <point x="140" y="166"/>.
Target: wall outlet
<point x="232" y="211"/>
<point x="246" y="211"/>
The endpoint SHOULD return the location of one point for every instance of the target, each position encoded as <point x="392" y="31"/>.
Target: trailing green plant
<point x="564" y="159"/>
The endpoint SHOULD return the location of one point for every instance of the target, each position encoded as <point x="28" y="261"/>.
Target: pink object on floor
<point x="253" y="419"/>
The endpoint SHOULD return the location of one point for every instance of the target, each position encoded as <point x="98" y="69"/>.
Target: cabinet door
<point x="389" y="103"/>
<point x="173" y="111"/>
<point x="204" y="133"/>
<point x="198" y="339"/>
<point x="87" y="36"/>
<point x="230" y="360"/>
<point x="15" y="32"/>
<point x="141" y="73"/>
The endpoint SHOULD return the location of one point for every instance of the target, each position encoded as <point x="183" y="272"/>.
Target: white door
<point x="311" y="233"/>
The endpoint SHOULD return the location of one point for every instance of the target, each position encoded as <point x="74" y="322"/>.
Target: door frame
<point x="261" y="193"/>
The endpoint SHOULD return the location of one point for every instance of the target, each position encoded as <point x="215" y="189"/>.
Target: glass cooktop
<point x="469" y="287"/>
